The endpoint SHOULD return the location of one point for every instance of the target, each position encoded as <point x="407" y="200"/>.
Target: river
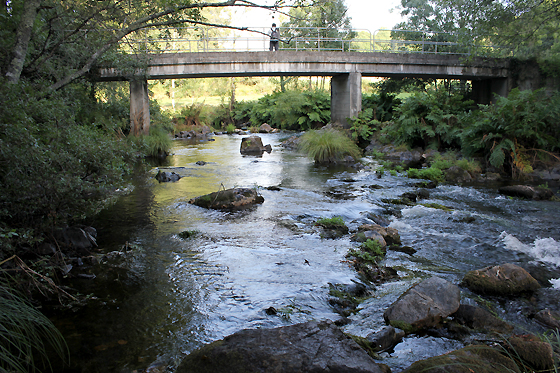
<point x="160" y="296"/>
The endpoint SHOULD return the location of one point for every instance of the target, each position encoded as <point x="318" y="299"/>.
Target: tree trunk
<point x="23" y="34"/>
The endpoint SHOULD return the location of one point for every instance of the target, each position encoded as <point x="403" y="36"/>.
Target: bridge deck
<point x="306" y="63"/>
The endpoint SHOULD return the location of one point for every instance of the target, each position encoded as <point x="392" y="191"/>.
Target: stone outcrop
<point x="424" y="305"/>
<point x="506" y="279"/>
<point x="549" y="318"/>
<point x="253" y="145"/>
<point x="526" y="191"/>
<point x="229" y="199"/>
<point x="307" y="347"/>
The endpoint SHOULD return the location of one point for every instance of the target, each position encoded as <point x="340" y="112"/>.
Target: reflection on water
<point x="167" y="295"/>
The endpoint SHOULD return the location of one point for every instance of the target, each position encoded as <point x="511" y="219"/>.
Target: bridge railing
<point x="191" y="39"/>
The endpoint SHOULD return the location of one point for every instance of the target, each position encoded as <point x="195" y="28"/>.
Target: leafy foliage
<point x="508" y="132"/>
<point x="54" y="169"/>
<point x="328" y="145"/>
<point x="429" y="119"/>
<point x="292" y="110"/>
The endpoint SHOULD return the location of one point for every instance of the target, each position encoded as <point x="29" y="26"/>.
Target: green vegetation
<point x="26" y="334"/>
<point x="328" y="146"/>
<point x="335" y="221"/>
<point x="373" y="247"/>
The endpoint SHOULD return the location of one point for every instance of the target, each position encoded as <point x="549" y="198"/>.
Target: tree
<point x="524" y="28"/>
<point x="323" y="27"/>
<point x="66" y="39"/>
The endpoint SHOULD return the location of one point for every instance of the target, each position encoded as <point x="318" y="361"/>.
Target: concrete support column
<point x="139" y="107"/>
<point x="483" y="90"/>
<point x="346" y="97"/>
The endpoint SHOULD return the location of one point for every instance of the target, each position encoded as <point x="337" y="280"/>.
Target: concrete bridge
<point x="488" y="76"/>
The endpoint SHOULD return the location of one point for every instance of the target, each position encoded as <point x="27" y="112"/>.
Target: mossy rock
<point x="229" y="199"/>
<point x="506" y="279"/>
<point x="479" y="359"/>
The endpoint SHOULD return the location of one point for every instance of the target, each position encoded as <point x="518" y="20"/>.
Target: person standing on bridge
<point x="274" y="38"/>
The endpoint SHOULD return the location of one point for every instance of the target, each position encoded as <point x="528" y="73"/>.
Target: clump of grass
<point x="25" y="334"/>
<point x="328" y="146"/>
<point x="437" y="206"/>
<point x="230" y="128"/>
<point x="158" y="143"/>
<point x="335" y="221"/>
<point x="373" y="247"/>
<point x="432" y="173"/>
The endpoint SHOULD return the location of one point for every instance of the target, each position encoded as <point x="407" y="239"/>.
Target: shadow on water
<point x="157" y="296"/>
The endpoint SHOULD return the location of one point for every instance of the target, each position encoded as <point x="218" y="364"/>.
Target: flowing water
<point x="160" y="296"/>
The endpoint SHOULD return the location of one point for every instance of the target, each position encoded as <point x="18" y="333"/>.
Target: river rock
<point x="385" y="338"/>
<point x="253" y="145"/>
<point x="266" y="128"/>
<point x="480" y="319"/>
<point x="479" y="359"/>
<point x="549" y="318"/>
<point x="291" y="143"/>
<point x="81" y="238"/>
<point x="538" y="354"/>
<point x="424" y="305"/>
<point x="457" y="175"/>
<point x="307" y="347"/>
<point x="164" y="177"/>
<point x="526" y="191"/>
<point x="505" y="279"/>
<point x="229" y="199"/>
<point x="385" y="235"/>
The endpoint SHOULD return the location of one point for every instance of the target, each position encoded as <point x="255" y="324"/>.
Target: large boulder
<point x="308" y="347"/>
<point x="506" y="279"/>
<point x="526" y="191"/>
<point x="229" y="199"/>
<point x="384" y="235"/>
<point x="424" y="305"/>
<point x="479" y="359"/>
<point x="253" y="145"/>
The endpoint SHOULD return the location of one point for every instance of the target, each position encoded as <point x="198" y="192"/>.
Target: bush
<point x="157" y="144"/>
<point x="54" y="169"/>
<point x="429" y="120"/>
<point x="328" y="146"/>
<point x="292" y="110"/>
<point x="515" y="129"/>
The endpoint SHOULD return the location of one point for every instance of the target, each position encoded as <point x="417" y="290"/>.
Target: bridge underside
<point x="346" y="69"/>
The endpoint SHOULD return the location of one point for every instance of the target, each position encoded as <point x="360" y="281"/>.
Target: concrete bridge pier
<point x="483" y="90"/>
<point x="139" y="107"/>
<point x="346" y="97"/>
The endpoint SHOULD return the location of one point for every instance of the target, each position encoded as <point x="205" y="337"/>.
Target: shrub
<point x="292" y="110"/>
<point x="428" y="119"/>
<point x="328" y="145"/>
<point x="514" y="130"/>
<point x="54" y="169"/>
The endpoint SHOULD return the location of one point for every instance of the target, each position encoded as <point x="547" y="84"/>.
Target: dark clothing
<point x="274" y="36"/>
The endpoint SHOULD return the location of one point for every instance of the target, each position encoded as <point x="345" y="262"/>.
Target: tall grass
<point x="328" y="146"/>
<point x="25" y="334"/>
